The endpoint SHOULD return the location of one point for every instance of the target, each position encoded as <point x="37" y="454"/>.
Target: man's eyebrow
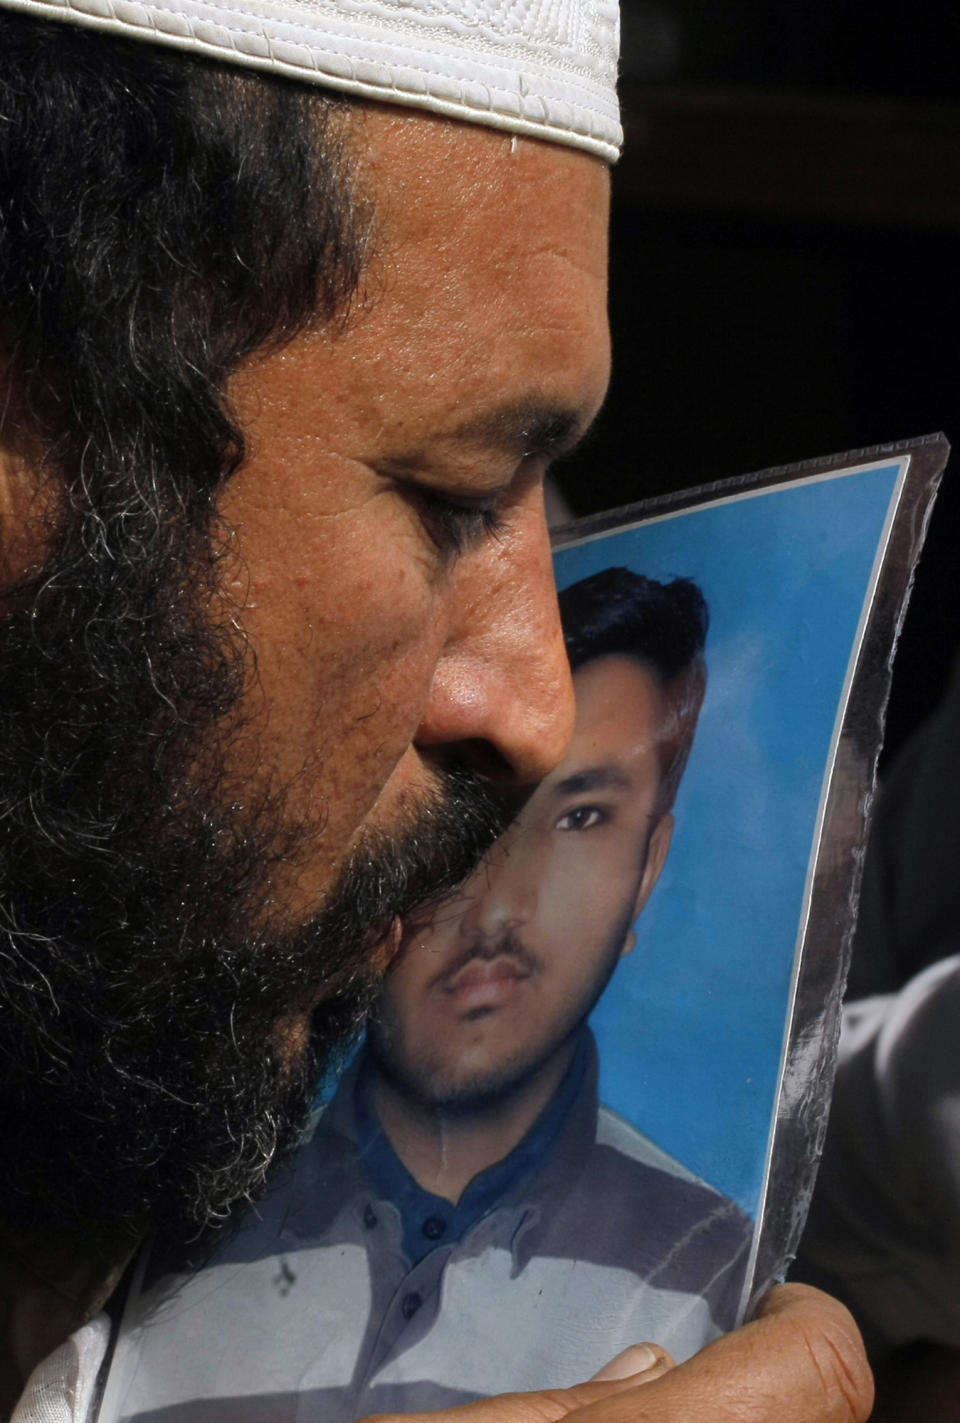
<point x="525" y="427"/>
<point x="593" y="778"/>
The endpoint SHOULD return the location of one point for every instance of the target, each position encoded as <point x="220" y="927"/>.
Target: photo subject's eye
<point x="582" y="817"/>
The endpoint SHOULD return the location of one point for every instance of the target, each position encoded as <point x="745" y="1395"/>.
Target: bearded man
<point x="298" y="302"/>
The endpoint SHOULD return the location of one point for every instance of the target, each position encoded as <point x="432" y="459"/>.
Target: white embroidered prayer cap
<point x="546" y="68"/>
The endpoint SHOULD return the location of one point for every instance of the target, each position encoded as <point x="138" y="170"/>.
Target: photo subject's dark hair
<point x="618" y="613"/>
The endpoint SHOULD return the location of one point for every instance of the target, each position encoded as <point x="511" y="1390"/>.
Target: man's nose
<point x="501" y="693"/>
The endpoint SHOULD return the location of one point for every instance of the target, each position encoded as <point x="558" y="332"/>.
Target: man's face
<point x="386" y="567"/>
<point x="506" y="973"/>
<point x="393" y="625"/>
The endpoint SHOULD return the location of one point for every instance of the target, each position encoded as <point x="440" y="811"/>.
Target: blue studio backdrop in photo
<point x="691" y="1027"/>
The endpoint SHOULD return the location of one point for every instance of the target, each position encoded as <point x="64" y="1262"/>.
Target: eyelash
<point x="585" y="810"/>
<point x="456" y="527"/>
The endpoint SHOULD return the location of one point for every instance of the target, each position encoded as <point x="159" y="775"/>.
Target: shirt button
<point x="433" y="1227"/>
<point x="411" y="1303"/>
<point x="369" y="1216"/>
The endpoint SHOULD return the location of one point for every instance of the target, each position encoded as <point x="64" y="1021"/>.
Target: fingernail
<point x="635" y="1360"/>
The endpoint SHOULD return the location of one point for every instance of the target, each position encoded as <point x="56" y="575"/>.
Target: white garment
<point x="62" y="1389"/>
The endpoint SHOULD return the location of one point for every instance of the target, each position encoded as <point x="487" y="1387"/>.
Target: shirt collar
<point x="430" y="1220"/>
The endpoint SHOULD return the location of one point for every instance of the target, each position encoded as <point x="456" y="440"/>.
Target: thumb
<point x="802" y="1361"/>
<point x="648" y="1362"/>
<point x="647" y="1359"/>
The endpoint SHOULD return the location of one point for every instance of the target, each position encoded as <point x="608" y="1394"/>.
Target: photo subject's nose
<point x="503" y="890"/>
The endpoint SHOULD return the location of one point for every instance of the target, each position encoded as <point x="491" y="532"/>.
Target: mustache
<point x="485" y="950"/>
<point x="412" y="871"/>
<point x="407" y="870"/>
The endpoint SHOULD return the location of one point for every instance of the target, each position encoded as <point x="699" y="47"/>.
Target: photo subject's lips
<point x="485" y="983"/>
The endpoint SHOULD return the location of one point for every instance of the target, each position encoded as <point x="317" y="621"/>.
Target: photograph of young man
<point x="466" y="1182"/>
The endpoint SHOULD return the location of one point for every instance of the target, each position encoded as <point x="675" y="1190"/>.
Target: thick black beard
<point x="146" y="1078"/>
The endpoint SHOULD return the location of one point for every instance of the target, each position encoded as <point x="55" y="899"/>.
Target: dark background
<point x="786" y="264"/>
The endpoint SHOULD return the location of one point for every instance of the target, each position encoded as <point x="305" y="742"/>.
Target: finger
<point x="647" y="1359"/>
<point x="546" y="1405"/>
<point x="802" y="1361"/>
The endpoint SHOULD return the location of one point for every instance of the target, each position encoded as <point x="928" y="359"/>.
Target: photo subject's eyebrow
<point x="593" y="778"/>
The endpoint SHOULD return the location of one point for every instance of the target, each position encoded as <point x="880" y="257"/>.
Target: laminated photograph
<point x="588" y="1105"/>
